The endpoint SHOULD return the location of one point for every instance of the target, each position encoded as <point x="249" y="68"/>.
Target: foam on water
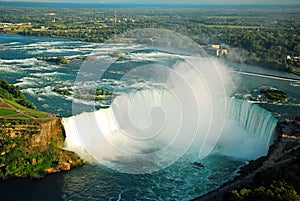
<point x="249" y="131"/>
<point x="176" y="182"/>
<point x="18" y="61"/>
<point x="158" y="120"/>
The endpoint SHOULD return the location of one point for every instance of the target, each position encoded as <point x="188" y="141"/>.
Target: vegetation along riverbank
<point x="31" y="141"/>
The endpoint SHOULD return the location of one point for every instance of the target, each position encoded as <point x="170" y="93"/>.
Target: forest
<point x="264" y="36"/>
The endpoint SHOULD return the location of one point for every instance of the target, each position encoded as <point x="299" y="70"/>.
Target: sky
<point x="221" y="2"/>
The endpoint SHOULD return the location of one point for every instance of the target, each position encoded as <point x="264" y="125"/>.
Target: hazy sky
<point x="176" y="1"/>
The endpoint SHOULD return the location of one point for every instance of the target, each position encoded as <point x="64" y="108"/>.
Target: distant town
<point x="271" y="42"/>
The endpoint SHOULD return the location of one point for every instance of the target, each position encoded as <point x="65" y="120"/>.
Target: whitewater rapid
<point x="109" y="136"/>
<point x="248" y="132"/>
<point x="184" y="111"/>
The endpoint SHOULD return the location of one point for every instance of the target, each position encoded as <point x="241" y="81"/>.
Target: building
<point x="214" y="46"/>
<point x="221" y="52"/>
<point x="216" y="50"/>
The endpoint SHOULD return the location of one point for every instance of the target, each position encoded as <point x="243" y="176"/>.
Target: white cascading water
<point x="159" y="123"/>
<point x="157" y="126"/>
<point x="248" y="132"/>
<point x="257" y="121"/>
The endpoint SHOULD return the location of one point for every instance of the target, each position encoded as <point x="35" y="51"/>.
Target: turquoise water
<point x="180" y="181"/>
<point x="94" y="182"/>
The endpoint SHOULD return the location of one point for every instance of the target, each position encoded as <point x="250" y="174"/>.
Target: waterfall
<point x="249" y="130"/>
<point x="115" y="133"/>
<point x="147" y="129"/>
<point x="149" y="122"/>
<point x="256" y="120"/>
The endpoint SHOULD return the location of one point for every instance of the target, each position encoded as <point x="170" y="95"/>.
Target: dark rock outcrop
<point x="290" y="127"/>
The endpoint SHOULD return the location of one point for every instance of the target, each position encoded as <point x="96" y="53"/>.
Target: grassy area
<point x="296" y="70"/>
<point x="20" y="160"/>
<point x="16" y="105"/>
<point x="21" y="154"/>
<point x="20" y="116"/>
<point x="234" y="26"/>
<point x="37" y="114"/>
<point x="30" y="112"/>
<point x="7" y="111"/>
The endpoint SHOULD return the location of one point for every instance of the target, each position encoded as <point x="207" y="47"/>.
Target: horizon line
<point x="156" y="3"/>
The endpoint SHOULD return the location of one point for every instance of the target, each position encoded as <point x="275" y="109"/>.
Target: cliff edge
<point x="33" y="148"/>
<point x="31" y="141"/>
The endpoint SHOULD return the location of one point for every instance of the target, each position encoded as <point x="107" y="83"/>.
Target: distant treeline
<point x="264" y="36"/>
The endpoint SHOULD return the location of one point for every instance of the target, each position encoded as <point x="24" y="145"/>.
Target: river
<point x="180" y="181"/>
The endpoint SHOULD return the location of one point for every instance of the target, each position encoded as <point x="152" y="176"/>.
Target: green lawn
<point x="37" y="114"/>
<point x="7" y="111"/>
<point x="16" y="105"/>
<point x="20" y="116"/>
<point x="31" y="112"/>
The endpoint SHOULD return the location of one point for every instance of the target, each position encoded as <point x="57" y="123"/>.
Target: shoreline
<point x="273" y="160"/>
<point x="32" y="141"/>
<point x="82" y="40"/>
<point x="210" y="192"/>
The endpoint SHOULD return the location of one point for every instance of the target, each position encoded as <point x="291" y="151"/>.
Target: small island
<point x="86" y="94"/>
<point x="264" y="94"/>
<point x="116" y="54"/>
<point x="62" y="91"/>
<point x="274" y="95"/>
<point x="103" y="92"/>
<point x="31" y="141"/>
<point x="60" y="60"/>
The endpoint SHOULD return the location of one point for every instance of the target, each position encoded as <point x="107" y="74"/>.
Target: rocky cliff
<point x="33" y="148"/>
<point x="31" y="141"/>
<point x="290" y="127"/>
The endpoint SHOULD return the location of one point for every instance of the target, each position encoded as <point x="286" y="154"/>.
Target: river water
<point x="180" y="181"/>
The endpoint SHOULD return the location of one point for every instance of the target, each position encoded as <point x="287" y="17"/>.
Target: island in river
<point x="272" y="46"/>
<point x="263" y="35"/>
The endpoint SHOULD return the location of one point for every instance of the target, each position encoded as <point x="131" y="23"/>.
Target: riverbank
<point x="39" y="89"/>
<point x="284" y="152"/>
<point x="217" y="28"/>
<point x="31" y="141"/>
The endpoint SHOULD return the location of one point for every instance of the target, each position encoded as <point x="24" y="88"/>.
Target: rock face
<point x="33" y="148"/>
<point x="31" y="141"/>
<point x="49" y="130"/>
<point x="290" y="127"/>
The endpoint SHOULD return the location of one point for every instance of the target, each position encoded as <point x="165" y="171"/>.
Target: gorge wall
<point x="33" y="148"/>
